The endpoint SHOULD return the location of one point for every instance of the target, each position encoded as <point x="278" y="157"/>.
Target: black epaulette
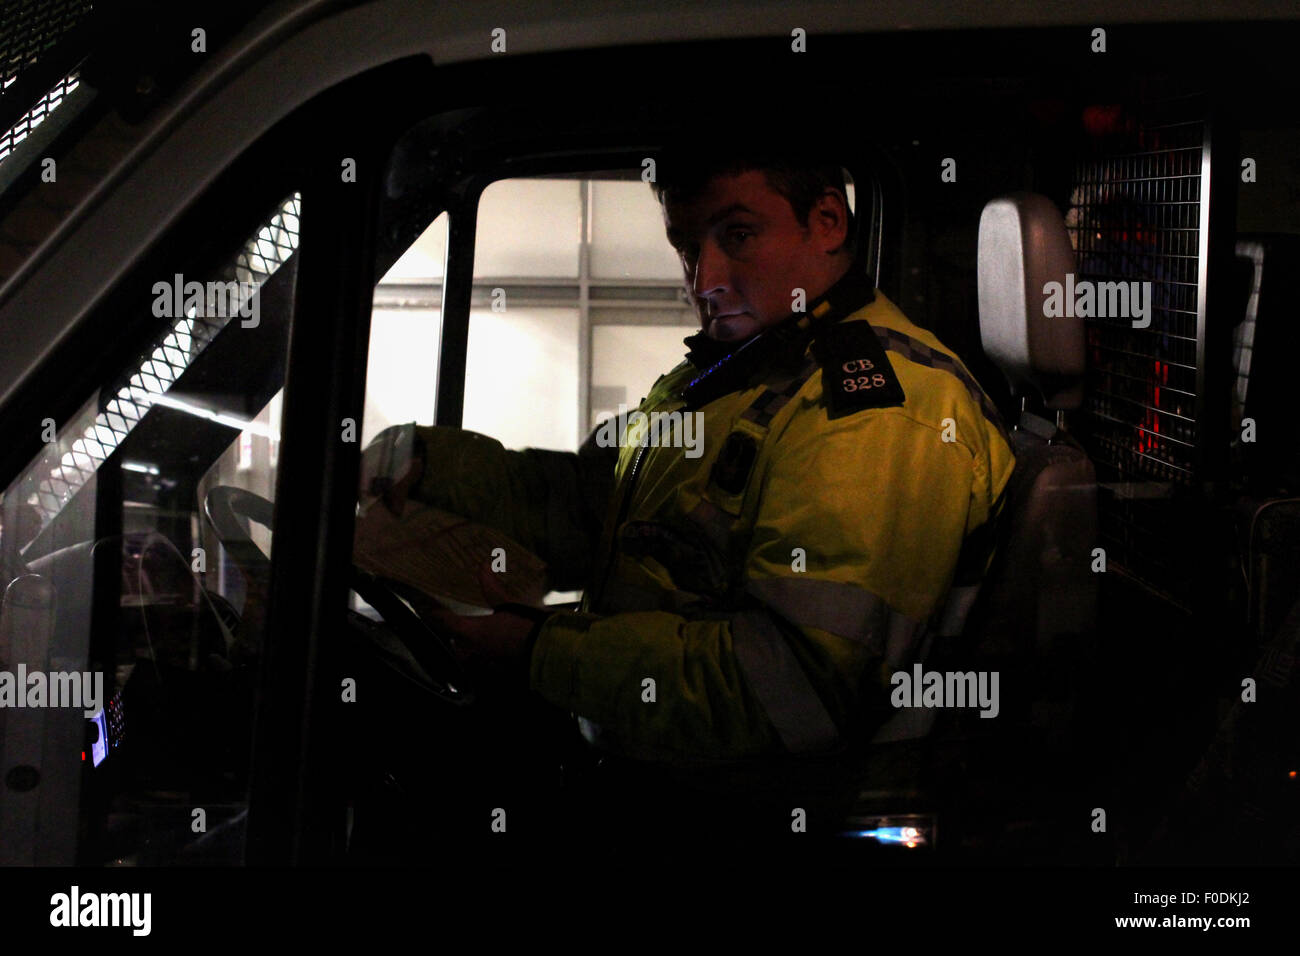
<point x="856" y="373"/>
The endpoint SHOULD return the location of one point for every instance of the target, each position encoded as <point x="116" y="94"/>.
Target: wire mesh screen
<point x="38" y="47"/>
<point x="1135" y="224"/>
<point x="30" y="28"/>
<point x="36" y="115"/>
<point x="86" y="445"/>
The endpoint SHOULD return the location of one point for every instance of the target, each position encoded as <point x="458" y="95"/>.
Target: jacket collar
<point x="726" y="366"/>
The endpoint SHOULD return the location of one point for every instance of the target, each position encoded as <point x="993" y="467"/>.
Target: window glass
<point x="627" y="234"/>
<point x="405" y="337"/>
<point x="521" y="377"/>
<point x="529" y="227"/>
<point x="143" y="618"/>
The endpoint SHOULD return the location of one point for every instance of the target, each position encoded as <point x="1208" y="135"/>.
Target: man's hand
<point x="377" y="472"/>
<point x="493" y="647"/>
<point x="491" y="641"/>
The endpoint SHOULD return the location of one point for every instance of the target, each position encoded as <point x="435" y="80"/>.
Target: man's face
<point x="744" y="252"/>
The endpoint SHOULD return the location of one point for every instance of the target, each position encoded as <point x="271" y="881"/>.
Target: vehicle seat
<point x="1036" y="617"/>
<point x="1001" y="786"/>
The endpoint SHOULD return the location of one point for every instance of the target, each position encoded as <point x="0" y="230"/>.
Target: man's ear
<point x="829" y="220"/>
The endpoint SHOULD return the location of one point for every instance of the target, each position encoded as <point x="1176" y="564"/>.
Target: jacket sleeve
<point x="855" y="542"/>
<point x="551" y="502"/>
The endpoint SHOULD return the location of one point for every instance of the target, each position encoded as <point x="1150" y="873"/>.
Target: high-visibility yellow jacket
<point x="757" y="580"/>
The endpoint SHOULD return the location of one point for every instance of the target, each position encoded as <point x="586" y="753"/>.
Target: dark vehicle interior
<point x="1143" y="612"/>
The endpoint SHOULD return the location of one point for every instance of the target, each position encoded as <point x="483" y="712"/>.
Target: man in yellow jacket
<point x="799" y="508"/>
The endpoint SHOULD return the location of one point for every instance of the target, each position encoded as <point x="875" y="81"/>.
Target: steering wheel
<point x="229" y="509"/>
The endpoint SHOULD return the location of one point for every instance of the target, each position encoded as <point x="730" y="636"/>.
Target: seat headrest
<point x="1023" y="244"/>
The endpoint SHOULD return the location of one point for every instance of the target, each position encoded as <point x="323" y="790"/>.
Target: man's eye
<point x="738" y="232"/>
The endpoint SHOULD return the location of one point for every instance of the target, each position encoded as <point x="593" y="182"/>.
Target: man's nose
<point x="712" y="273"/>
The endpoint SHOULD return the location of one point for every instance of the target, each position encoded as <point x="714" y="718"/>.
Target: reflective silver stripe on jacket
<point x="856" y="614"/>
<point x="843" y="609"/>
<point x="779" y="682"/>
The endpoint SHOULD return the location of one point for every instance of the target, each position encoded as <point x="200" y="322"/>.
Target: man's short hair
<point x="798" y="172"/>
